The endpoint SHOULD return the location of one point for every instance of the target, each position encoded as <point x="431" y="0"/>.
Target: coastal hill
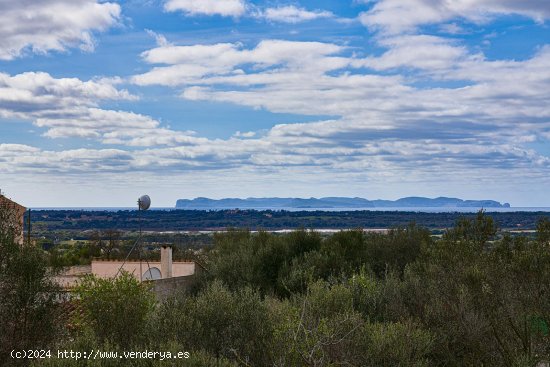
<point x="333" y="203"/>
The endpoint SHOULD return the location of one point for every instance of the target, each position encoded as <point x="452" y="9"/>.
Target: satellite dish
<point x="152" y="274"/>
<point x="144" y="202"/>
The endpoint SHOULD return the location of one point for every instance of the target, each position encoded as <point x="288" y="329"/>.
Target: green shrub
<point x="117" y="310"/>
<point x="29" y="312"/>
<point x="221" y="322"/>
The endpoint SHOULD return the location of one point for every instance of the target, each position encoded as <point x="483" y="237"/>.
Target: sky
<point x="103" y="101"/>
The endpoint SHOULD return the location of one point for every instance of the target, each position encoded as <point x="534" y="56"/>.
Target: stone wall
<point x="165" y="288"/>
<point x="14" y="217"/>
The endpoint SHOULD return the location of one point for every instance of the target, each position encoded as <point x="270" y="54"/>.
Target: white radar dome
<point x="144" y="202"/>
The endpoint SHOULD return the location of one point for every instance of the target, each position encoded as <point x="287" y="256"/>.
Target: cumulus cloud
<point x="383" y="122"/>
<point x="238" y="8"/>
<point x="248" y="134"/>
<point x="314" y="78"/>
<point x="267" y="52"/>
<point x="23" y="158"/>
<point x="383" y="160"/>
<point x="292" y="14"/>
<point x="227" y="8"/>
<point x="416" y="51"/>
<point x="69" y="107"/>
<point x="396" y="16"/>
<point x="426" y="108"/>
<point x="190" y="64"/>
<point x="41" y="26"/>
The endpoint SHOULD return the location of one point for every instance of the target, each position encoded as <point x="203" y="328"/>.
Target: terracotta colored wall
<point x="108" y="269"/>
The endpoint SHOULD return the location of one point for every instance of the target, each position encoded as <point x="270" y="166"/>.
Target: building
<point x="146" y="270"/>
<point x="166" y="276"/>
<point x="12" y="217"/>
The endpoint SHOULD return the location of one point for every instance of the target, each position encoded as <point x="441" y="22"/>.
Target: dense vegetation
<point x="402" y="298"/>
<point x="46" y="221"/>
<point x="28" y="297"/>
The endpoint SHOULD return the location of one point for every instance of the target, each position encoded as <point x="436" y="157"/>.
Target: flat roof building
<point x="166" y="276"/>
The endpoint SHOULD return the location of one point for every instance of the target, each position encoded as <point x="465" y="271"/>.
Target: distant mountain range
<point x="334" y="203"/>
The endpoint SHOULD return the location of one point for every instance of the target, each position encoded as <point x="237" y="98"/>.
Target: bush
<point x="29" y="312"/>
<point x="322" y="328"/>
<point x="351" y="299"/>
<point x="222" y="323"/>
<point x="117" y="310"/>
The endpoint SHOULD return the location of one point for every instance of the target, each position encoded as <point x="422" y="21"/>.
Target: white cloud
<point x="232" y="8"/>
<point x="159" y="38"/>
<point x="41" y="26"/>
<point x="189" y="64"/>
<point x="248" y="134"/>
<point x="388" y="121"/>
<point x="238" y="8"/>
<point x="69" y="107"/>
<point x="293" y="14"/>
<point x="452" y="28"/>
<point x="416" y="51"/>
<point x="312" y="79"/>
<point x="396" y="16"/>
<point x="383" y="160"/>
<point x="267" y="52"/>
<point x="383" y="124"/>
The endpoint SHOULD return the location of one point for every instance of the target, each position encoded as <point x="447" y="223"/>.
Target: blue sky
<point x="102" y="101"/>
